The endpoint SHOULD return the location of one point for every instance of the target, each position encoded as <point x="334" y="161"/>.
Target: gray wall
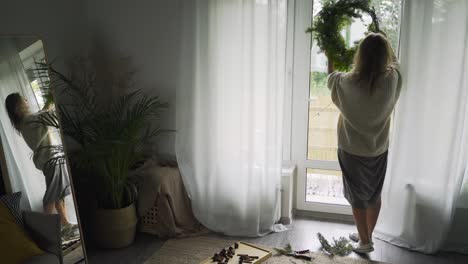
<point x="148" y="31"/>
<point x="60" y="24"/>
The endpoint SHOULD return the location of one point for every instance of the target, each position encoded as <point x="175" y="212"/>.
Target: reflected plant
<point x="107" y="138"/>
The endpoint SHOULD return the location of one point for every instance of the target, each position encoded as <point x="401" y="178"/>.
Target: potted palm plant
<point x="107" y="136"/>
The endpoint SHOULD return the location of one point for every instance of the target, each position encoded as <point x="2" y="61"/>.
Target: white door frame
<point x="297" y="113"/>
<point x="302" y="20"/>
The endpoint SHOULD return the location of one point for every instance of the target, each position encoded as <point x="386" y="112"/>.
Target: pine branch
<point x="340" y="247"/>
<point x="284" y="251"/>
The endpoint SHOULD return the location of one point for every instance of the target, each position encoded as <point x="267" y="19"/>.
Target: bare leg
<point x="49" y="208"/>
<point x="372" y="216"/>
<point x="60" y="207"/>
<point x="360" y="216"/>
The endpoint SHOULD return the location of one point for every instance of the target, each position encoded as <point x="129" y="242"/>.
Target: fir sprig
<point x="284" y="251"/>
<point x="340" y="247"/>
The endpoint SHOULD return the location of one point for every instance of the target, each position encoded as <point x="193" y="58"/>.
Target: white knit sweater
<point x="364" y="122"/>
<point x="37" y="137"/>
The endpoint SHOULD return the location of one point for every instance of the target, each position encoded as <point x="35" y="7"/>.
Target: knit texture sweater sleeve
<point x="37" y="137"/>
<point x="333" y="83"/>
<point x="364" y="121"/>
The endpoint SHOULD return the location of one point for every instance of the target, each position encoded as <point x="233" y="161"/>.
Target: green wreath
<point x="329" y="22"/>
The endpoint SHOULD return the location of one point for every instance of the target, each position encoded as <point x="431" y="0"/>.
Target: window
<point x="37" y="82"/>
<point x="319" y="185"/>
<point x="31" y="56"/>
<point x="325" y="186"/>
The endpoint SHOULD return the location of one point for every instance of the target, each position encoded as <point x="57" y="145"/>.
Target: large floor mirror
<point x="32" y="160"/>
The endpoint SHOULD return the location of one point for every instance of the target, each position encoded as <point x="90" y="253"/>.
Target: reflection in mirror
<point x="33" y="162"/>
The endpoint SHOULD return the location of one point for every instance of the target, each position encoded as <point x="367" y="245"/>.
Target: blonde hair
<point x="373" y="57"/>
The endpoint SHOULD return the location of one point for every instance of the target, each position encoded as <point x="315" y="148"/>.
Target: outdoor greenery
<point x="107" y="138"/>
<point x="388" y="12"/>
<point x="318" y="84"/>
<point x="331" y="20"/>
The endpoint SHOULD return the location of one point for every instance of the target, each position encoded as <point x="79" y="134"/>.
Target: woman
<point x="37" y="138"/>
<point x="365" y="97"/>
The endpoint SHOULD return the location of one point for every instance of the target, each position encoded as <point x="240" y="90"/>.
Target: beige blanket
<point x="161" y="188"/>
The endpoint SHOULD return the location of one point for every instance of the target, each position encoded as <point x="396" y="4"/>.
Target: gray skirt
<point x="57" y="183"/>
<point x="363" y="178"/>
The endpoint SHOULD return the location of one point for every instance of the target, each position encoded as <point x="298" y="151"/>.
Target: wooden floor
<point x="301" y="235"/>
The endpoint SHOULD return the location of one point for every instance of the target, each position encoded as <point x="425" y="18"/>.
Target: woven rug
<point x="196" y="249"/>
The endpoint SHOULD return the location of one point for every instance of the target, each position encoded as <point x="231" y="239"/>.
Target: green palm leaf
<point x="109" y="138"/>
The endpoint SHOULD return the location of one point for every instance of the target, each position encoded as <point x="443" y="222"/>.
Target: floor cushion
<point x="12" y="201"/>
<point x="15" y="245"/>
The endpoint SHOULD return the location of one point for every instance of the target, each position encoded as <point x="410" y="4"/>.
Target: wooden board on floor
<point x="244" y="248"/>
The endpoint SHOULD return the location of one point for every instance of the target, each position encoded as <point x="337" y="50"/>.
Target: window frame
<point x="297" y="115"/>
<point x="295" y="133"/>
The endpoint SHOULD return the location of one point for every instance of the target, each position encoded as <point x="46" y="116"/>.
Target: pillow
<point x="12" y="202"/>
<point x="15" y="245"/>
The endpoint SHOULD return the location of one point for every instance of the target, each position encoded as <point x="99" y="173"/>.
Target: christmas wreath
<point x="331" y="20"/>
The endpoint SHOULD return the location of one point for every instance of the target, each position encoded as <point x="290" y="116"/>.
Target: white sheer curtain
<point x="429" y="150"/>
<point x="22" y="173"/>
<point x="229" y="112"/>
